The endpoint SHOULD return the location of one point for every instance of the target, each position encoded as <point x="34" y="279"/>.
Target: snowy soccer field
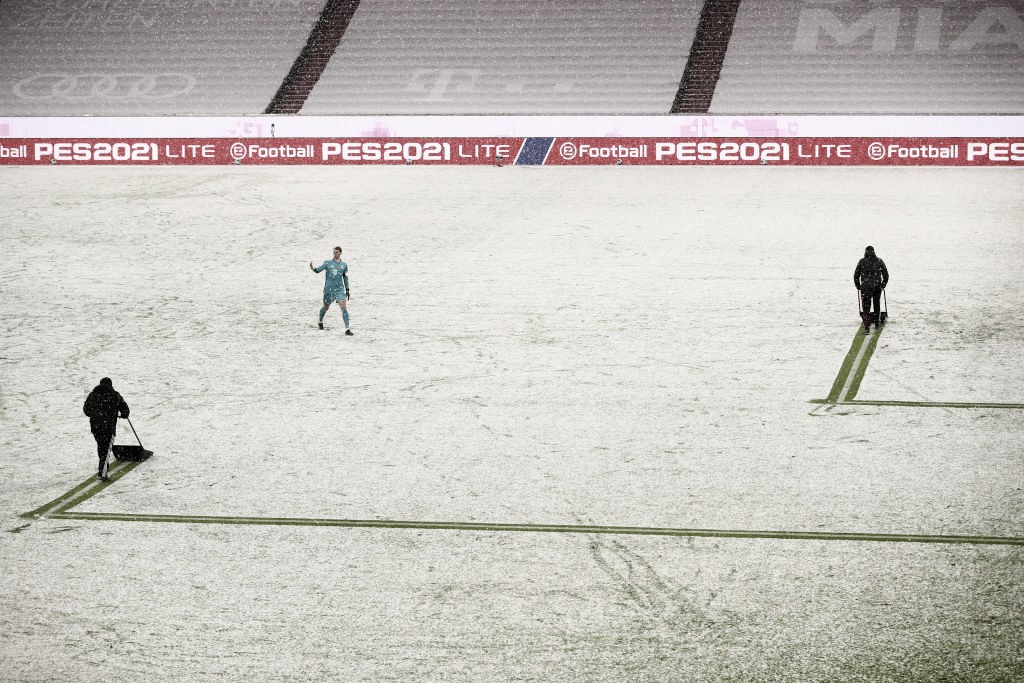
<point x="607" y="423"/>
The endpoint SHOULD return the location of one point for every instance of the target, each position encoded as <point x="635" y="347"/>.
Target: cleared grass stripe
<point x="937" y="404"/>
<point x="844" y="370"/>
<point x="544" y="528"/>
<point x="43" y="509"/>
<point x="115" y="475"/>
<point x="861" y="366"/>
<point x="87" y="489"/>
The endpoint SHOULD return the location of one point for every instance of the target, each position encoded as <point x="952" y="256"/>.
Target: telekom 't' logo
<point x="437" y="82"/>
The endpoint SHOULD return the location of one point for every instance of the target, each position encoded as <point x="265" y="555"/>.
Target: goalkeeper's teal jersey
<point x="334" y="280"/>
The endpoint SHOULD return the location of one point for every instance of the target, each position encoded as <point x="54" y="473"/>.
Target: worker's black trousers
<point x="103" y="441"/>
<point x="867" y="298"/>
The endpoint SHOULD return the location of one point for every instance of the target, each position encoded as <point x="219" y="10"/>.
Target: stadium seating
<point x="227" y="58"/>
<point x="509" y="57"/>
<point x="180" y="57"/>
<point x="801" y="57"/>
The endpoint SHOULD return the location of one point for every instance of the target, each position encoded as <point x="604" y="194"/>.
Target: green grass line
<point x="58" y="503"/>
<point x="81" y="493"/>
<point x="42" y="509"/>
<point x="844" y="369"/>
<point x="114" y="477"/>
<point x="544" y="528"/>
<point x="918" y="404"/>
<point x="859" y="373"/>
<point x="936" y="404"/>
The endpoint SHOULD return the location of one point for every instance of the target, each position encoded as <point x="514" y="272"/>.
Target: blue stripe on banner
<point x="534" y="151"/>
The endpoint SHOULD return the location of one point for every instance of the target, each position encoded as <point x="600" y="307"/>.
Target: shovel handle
<point x="134" y="432"/>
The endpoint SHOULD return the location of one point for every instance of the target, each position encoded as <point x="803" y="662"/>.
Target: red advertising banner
<point x="553" y="151"/>
<point x="257" y="151"/>
<point x="829" y="151"/>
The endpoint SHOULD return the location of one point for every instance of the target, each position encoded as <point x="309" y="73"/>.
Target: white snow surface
<point x="620" y="346"/>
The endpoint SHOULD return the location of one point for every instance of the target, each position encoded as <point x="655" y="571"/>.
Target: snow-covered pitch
<point x="556" y="348"/>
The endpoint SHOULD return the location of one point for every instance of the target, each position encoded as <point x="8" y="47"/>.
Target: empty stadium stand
<point x="921" y="57"/>
<point x="315" y="56"/>
<point x="380" y="57"/>
<point x="148" y="57"/>
<point x="509" y="57"/>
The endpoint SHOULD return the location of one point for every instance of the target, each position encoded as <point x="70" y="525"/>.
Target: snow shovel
<point x="884" y="313"/>
<point x="132" y="453"/>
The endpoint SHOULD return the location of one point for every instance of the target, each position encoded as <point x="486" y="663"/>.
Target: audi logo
<point x="126" y="86"/>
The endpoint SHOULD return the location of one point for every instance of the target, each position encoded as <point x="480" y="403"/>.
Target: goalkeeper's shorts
<point x="331" y="296"/>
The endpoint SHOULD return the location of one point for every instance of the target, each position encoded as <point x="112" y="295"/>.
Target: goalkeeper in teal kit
<point x="335" y="286"/>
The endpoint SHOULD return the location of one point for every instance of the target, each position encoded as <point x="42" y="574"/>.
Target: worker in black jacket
<point x="103" y="406"/>
<point x="870" y="277"/>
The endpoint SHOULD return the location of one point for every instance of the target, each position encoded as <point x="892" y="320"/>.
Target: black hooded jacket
<point x="103" y="407"/>
<point x="870" y="273"/>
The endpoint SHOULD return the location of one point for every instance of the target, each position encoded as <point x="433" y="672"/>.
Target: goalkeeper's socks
<point x="344" y="316"/>
<point x="322" y="312"/>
